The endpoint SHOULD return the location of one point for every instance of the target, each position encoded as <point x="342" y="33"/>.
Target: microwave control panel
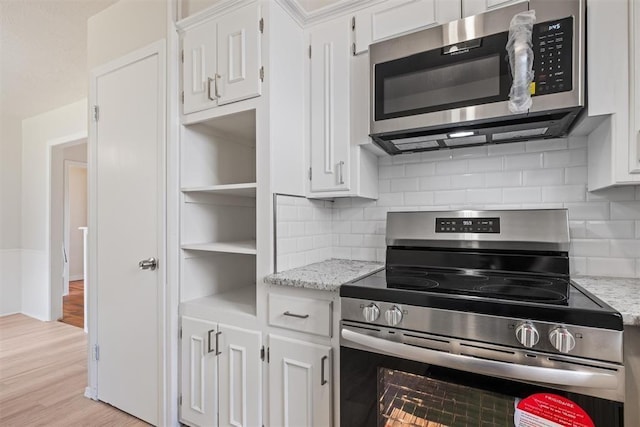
<point x="553" y="57"/>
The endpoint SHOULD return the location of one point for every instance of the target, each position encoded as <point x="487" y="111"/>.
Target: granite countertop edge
<point x="623" y="294"/>
<point x="326" y="275"/>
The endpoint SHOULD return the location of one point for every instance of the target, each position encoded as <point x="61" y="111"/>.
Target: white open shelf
<point x="243" y="190"/>
<point x="242" y="301"/>
<point x="246" y="247"/>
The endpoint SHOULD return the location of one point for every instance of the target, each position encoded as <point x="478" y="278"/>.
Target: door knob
<point x="148" y="264"/>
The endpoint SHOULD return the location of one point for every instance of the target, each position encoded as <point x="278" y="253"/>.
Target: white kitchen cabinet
<point x="389" y="19"/>
<point x="220" y="376"/>
<point x="221" y="60"/>
<point x="634" y="105"/>
<point x="613" y="144"/>
<point x="474" y="7"/>
<point x="339" y="167"/>
<point x="300" y="383"/>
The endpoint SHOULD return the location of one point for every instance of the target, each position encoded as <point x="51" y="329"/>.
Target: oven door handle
<point x="485" y="367"/>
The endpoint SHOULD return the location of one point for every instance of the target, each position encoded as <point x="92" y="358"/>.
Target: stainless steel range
<point x="475" y="321"/>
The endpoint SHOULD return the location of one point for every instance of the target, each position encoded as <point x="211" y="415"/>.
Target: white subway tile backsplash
<point x="619" y="267"/>
<point x="521" y="195"/>
<point x="589" y="247"/>
<point x="485" y="164"/>
<point x="449" y="197"/>
<point x="565" y="158"/>
<point x="627" y="248"/>
<point x="392" y="171"/>
<point x="404" y="184"/>
<point x="419" y="198"/>
<point x="523" y="161"/>
<point x="467" y="180"/>
<point x="610" y="229"/>
<point x="435" y="183"/>
<point x="604" y="226"/>
<point x="504" y="179"/>
<point x="506" y="149"/>
<point x="451" y="167"/>
<point x="543" y="177"/>
<point x="485" y="195"/>
<point x="588" y="210"/>
<point x="575" y="175"/>
<point x="625" y="210"/>
<point x="390" y="199"/>
<point x="546" y="145"/>
<point x="565" y="193"/>
<point x="420" y="169"/>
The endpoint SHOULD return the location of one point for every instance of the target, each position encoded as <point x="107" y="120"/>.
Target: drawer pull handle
<point x="299" y="316"/>
<point x="322" y="380"/>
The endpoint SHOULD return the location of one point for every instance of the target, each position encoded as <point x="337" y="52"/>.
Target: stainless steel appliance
<point x="449" y="86"/>
<point x="474" y="317"/>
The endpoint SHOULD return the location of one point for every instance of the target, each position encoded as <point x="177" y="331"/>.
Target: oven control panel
<point x="467" y="225"/>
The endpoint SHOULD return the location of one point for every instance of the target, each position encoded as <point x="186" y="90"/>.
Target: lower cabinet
<point x="300" y="383"/>
<point x="221" y="373"/>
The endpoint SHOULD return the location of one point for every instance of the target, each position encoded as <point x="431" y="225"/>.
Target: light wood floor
<point x="43" y="369"/>
<point x="73" y="305"/>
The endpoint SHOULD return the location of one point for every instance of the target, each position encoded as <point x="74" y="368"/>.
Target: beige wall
<point x="124" y="27"/>
<point x="77" y="218"/>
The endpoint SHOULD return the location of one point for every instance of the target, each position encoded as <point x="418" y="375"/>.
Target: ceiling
<point x="43" y="52"/>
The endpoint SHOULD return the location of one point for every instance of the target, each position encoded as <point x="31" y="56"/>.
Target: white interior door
<point x="129" y="140"/>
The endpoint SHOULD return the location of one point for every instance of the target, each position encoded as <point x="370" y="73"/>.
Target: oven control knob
<point x="527" y="334"/>
<point x="393" y="315"/>
<point x="561" y="339"/>
<point x="371" y="312"/>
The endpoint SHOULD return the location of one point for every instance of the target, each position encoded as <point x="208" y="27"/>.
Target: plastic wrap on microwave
<point x="521" y="60"/>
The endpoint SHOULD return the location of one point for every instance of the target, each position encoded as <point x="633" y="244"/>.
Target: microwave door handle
<point x="483" y="366"/>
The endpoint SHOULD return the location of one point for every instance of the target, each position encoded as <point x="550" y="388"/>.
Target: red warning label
<point x="550" y="410"/>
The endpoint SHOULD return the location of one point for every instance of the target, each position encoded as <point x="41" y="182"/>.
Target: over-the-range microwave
<point x="448" y="86"/>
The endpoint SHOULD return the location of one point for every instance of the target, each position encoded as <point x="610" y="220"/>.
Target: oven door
<point x="378" y="388"/>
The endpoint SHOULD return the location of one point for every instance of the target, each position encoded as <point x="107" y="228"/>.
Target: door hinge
<point x="96" y="113"/>
<point x="262" y="73"/>
<point x="268" y="349"/>
<point x="96" y="352"/>
<point x="182" y="56"/>
<point x="309" y="51"/>
<point x="180" y="400"/>
<point x="310" y="173"/>
<point x="261" y="25"/>
<point x="262" y="353"/>
<point x="182" y="97"/>
<point x="353" y="23"/>
<point x="180" y="333"/>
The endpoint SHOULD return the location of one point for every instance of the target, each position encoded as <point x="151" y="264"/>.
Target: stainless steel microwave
<point x="448" y="86"/>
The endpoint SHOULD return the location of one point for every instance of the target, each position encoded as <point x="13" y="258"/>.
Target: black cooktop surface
<point x="528" y="297"/>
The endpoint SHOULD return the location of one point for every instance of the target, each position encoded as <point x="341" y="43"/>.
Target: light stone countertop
<point x="620" y="293"/>
<point x="326" y="275"/>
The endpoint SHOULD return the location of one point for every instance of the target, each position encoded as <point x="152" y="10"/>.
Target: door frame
<point x="66" y="234"/>
<point x="53" y="256"/>
<point x="165" y="300"/>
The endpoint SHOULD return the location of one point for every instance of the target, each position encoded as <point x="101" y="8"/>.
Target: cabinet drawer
<point x="300" y="314"/>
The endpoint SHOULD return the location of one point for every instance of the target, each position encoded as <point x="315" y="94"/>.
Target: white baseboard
<point x="90" y="393"/>
<point x="10" y="281"/>
<point x="76" y="277"/>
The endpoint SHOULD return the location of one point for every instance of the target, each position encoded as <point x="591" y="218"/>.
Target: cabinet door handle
<point x="341" y="172"/>
<point x="209" y="80"/>
<point x="218" y="344"/>
<point x="323" y="381"/>
<point x="209" y="349"/>
<point x="217" y="76"/>
<point x="299" y="316"/>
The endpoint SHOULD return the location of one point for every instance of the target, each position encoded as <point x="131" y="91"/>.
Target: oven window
<point x="463" y="81"/>
<point x="407" y="399"/>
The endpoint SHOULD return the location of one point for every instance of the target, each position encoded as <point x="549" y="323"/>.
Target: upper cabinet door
<point x="634" y="151"/>
<point x="389" y="19"/>
<point x="199" y="68"/>
<point x="330" y="135"/>
<point x="474" y="7"/>
<point x="239" y="55"/>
